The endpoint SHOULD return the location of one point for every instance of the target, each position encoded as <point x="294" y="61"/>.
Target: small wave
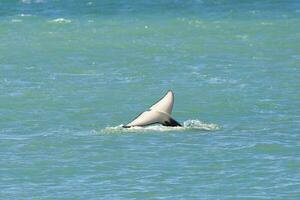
<point x="187" y="125"/>
<point x="24" y="15"/>
<point x="31" y="1"/>
<point x="61" y="20"/>
<point x="26" y="1"/>
<point x="218" y="80"/>
<point x="16" y="20"/>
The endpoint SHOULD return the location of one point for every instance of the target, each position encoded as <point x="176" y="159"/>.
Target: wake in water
<point x="187" y="125"/>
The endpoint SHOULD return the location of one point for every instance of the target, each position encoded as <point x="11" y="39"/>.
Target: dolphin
<point x="159" y="112"/>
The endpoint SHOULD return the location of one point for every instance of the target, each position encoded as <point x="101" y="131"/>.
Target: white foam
<point x="187" y="125"/>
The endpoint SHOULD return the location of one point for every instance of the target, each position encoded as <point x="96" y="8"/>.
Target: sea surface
<point x="73" y="71"/>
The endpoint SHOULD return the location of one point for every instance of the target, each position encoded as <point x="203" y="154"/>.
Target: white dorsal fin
<point x="165" y="104"/>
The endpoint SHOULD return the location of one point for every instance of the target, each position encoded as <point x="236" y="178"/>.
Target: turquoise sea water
<point x="71" y="72"/>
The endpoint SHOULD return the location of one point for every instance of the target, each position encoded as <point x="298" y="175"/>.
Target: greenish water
<point x="71" y="72"/>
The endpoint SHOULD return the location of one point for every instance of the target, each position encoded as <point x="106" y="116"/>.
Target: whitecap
<point x="187" y="125"/>
<point x="61" y="20"/>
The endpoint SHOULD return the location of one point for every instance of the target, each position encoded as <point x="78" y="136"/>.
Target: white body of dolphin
<point x="160" y="113"/>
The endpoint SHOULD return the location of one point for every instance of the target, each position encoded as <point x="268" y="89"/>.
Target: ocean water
<point x="71" y="72"/>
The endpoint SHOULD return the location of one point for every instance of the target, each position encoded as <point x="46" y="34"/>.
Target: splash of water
<point x="187" y="125"/>
<point x="197" y="124"/>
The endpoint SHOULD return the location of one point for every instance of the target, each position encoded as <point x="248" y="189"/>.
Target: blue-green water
<point x="72" y="71"/>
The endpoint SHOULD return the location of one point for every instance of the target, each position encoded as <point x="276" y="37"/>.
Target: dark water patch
<point x="204" y="8"/>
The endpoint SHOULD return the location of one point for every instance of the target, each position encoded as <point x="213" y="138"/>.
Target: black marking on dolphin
<point x="171" y="122"/>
